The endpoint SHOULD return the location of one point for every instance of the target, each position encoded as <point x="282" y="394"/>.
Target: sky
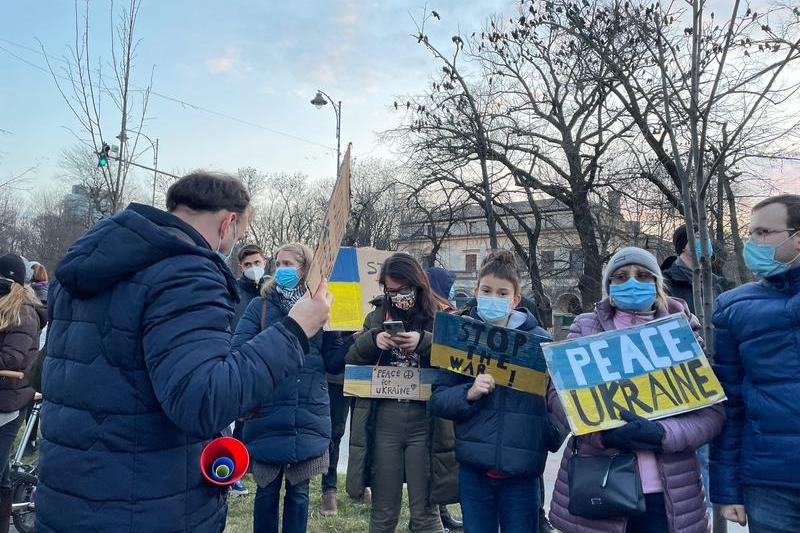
<point x="258" y="63"/>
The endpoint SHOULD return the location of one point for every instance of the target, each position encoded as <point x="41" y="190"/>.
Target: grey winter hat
<point x="631" y="256"/>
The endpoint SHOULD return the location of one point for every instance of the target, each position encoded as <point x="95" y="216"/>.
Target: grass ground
<point x="352" y="518"/>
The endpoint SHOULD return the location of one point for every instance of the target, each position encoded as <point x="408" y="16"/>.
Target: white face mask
<point x="254" y="273"/>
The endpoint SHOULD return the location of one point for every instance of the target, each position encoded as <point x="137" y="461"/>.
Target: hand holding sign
<point x="484" y="384"/>
<point x="639" y="434"/>
<point x="312" y="313"/>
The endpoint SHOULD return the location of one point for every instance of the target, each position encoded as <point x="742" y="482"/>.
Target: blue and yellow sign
<point x="471" y="347"/>
<point x="654" y="370"/>
<point x="397" y="382"/>
<point x="353" y="283"/>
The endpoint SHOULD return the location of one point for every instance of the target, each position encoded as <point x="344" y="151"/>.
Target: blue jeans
<point x="486" y="503"/>
<point x="772" y="509"/>
<point x="654" y="519"/>
<point x="267" y="504"/>
<point x="702" y="456"/>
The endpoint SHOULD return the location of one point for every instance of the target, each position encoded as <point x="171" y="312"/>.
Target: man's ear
<point x="517" y="300"/>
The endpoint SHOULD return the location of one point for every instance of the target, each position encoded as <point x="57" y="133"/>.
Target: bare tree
<point x="97" y="99"/>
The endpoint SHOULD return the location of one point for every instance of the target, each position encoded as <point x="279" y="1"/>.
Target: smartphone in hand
<point x="393" y="327"/>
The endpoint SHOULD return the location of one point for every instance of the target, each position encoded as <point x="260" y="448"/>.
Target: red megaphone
<point x="224" y="461"/>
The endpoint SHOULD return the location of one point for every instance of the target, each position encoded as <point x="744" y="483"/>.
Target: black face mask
<point x="5" y="287"/>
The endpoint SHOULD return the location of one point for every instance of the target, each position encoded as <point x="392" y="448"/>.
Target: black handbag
<point x="604" y="486"/>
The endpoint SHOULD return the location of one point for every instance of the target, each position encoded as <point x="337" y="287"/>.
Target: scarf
<point x="289" y="297"/>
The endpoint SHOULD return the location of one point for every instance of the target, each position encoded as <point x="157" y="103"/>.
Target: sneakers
<point x="544" y="524"/>
<point x="238" y="489"/>
<point x="329" y="503"/>
<point x="367" y="497"/>
<point x="448" y="521"/>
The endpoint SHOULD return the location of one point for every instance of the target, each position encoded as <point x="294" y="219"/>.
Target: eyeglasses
<point x="642" y="276"/>
<point x="403" y="291"/>
<point x="763" y="233"/>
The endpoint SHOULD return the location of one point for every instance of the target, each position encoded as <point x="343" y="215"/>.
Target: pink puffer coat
<point x="677" y="465"/>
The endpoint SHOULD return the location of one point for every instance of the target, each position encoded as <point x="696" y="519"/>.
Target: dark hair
<point x="249" y="249"/>
<point x="405" y="269"/>
<point x="502" y="264"/>
<point x="792" y="203"/>
<point x="679" y="239"/>
<point x="210" y="192"/>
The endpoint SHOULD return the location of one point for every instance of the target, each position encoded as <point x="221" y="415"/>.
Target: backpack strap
<point x="263" y="313"/>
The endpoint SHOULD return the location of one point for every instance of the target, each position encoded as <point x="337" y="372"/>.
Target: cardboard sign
<point x="654" y="370"/>
<point x="395" y="382"/>
<point x="333" y="229"/>
<point x="471" y="347"/>
<point x="354" y="283"/>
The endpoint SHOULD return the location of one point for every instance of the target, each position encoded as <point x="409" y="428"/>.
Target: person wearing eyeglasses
<point x="754" y="472"/>
<point x="666" y="449"/>
<point x="392" y="441"/>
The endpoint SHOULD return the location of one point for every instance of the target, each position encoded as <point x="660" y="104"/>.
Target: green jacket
<point x="444" y="468"/>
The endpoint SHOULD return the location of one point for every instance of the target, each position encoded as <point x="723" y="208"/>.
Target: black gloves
<point x="639" y="434"/>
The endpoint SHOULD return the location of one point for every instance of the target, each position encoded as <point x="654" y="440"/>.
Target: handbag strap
<point x="263" y="313"/>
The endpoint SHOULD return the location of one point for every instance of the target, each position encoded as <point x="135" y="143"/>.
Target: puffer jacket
<point x="295" y="424"/>
<point x="757" y="360"/>
<point x="443" y="475"/>
<point x="678" y="282"/>
<point x="19" y="349"/>
<point x="139" y="375"/>
<point x="678" y="465"/>
<point x="506" y="431"/>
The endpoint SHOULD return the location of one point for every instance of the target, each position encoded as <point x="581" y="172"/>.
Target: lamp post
<point x="320" y="100"/>
<point x="123" y="137"/>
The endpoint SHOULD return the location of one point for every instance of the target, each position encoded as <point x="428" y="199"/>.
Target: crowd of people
<point x="154" y="347"/>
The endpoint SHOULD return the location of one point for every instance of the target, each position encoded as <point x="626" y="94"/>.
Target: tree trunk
<point x="738" y="247"/>
<point x="589" y="284"/>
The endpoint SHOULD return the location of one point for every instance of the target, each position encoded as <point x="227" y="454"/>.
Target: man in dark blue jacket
<point x="754" y="474"/>
<point x="252" y="265"/>
<point x="140" y="374"/>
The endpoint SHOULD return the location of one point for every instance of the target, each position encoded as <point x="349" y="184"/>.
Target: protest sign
<point x="654" y="370"/>
<point x="471" y="347"/>
<point x="395" y="382"/>
<point x="333" y="228"/>
<point x="354" y="283"/>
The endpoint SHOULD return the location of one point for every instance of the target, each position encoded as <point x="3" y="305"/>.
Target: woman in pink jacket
<point x="665" y="449"/>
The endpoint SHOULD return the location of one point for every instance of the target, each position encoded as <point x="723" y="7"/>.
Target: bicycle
<point x="25" y="476"/>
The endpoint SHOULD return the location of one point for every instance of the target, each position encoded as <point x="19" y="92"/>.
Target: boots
<point x="329" y="507"/>
<point x="5" y="509"/>
<point x="448" y="521"/>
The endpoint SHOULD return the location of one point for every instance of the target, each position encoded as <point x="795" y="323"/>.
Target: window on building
<point x="548" y="261"/>
<point x="576" y="260"/>
<point x="471" y="262"/>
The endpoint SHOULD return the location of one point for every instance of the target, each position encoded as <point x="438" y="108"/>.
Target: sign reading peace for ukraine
<point x="471" y="347"/>
<point x="654" y="370"/>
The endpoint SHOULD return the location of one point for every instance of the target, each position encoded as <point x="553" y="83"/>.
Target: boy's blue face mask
<point x="700" y="252"/>
<point x="452" y="296"/>
<point x="633" y="295"/>
<point x="760" y="258"/>
<point x="493" y="309"/>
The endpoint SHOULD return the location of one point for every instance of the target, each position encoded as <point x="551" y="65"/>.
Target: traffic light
<point x="102" y="155"/>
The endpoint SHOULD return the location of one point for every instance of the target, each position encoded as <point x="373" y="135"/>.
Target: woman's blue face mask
<point x="287" y="277"/>
<point x="633" y="295"/>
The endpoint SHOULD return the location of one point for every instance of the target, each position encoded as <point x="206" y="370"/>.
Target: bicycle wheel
<point x="23" y="487"/>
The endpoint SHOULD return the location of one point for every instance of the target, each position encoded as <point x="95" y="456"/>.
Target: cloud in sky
<point x="228" y="63"/>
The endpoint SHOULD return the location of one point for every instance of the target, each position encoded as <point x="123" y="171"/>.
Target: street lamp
<point x="319" y="101"/>
<point x="123" y="137"/>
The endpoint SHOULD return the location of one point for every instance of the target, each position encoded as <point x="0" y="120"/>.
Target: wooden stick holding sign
<point x="333" y="228"/>
<point x="654" y="370"/>
<point x="471" y="347"/>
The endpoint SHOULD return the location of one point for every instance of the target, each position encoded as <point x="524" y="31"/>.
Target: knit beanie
<point x="631" y="256"/>
<point x="680" y="239"/>
<point x="12" y="267"/>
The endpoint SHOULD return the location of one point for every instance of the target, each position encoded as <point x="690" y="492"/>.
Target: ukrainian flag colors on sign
<point x="471" y="347"/>
<point x="389" y="382"/>
<point x="353" y="283"/>
<point x="654" y="370"/>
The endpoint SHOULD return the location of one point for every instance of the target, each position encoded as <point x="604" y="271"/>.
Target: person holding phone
<point x="393" y="441"/>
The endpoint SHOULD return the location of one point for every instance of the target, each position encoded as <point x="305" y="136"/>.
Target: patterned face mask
<point x="404" y="302"/>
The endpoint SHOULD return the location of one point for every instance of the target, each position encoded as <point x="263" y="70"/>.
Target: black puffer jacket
<point x="19" y="348"/>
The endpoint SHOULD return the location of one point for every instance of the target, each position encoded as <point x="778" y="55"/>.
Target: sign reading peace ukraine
<point x="654" y="370"/>
<point x="471" y="347"/>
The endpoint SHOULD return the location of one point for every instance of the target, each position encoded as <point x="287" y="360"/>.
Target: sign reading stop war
<point x="333" y="228"/>
<point x="654" y="370"/>
<point x="395" y="382"/>
<point x="471" y="347"/>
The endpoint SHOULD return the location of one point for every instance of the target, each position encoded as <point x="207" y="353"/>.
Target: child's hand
<point x="484" y="384"/>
